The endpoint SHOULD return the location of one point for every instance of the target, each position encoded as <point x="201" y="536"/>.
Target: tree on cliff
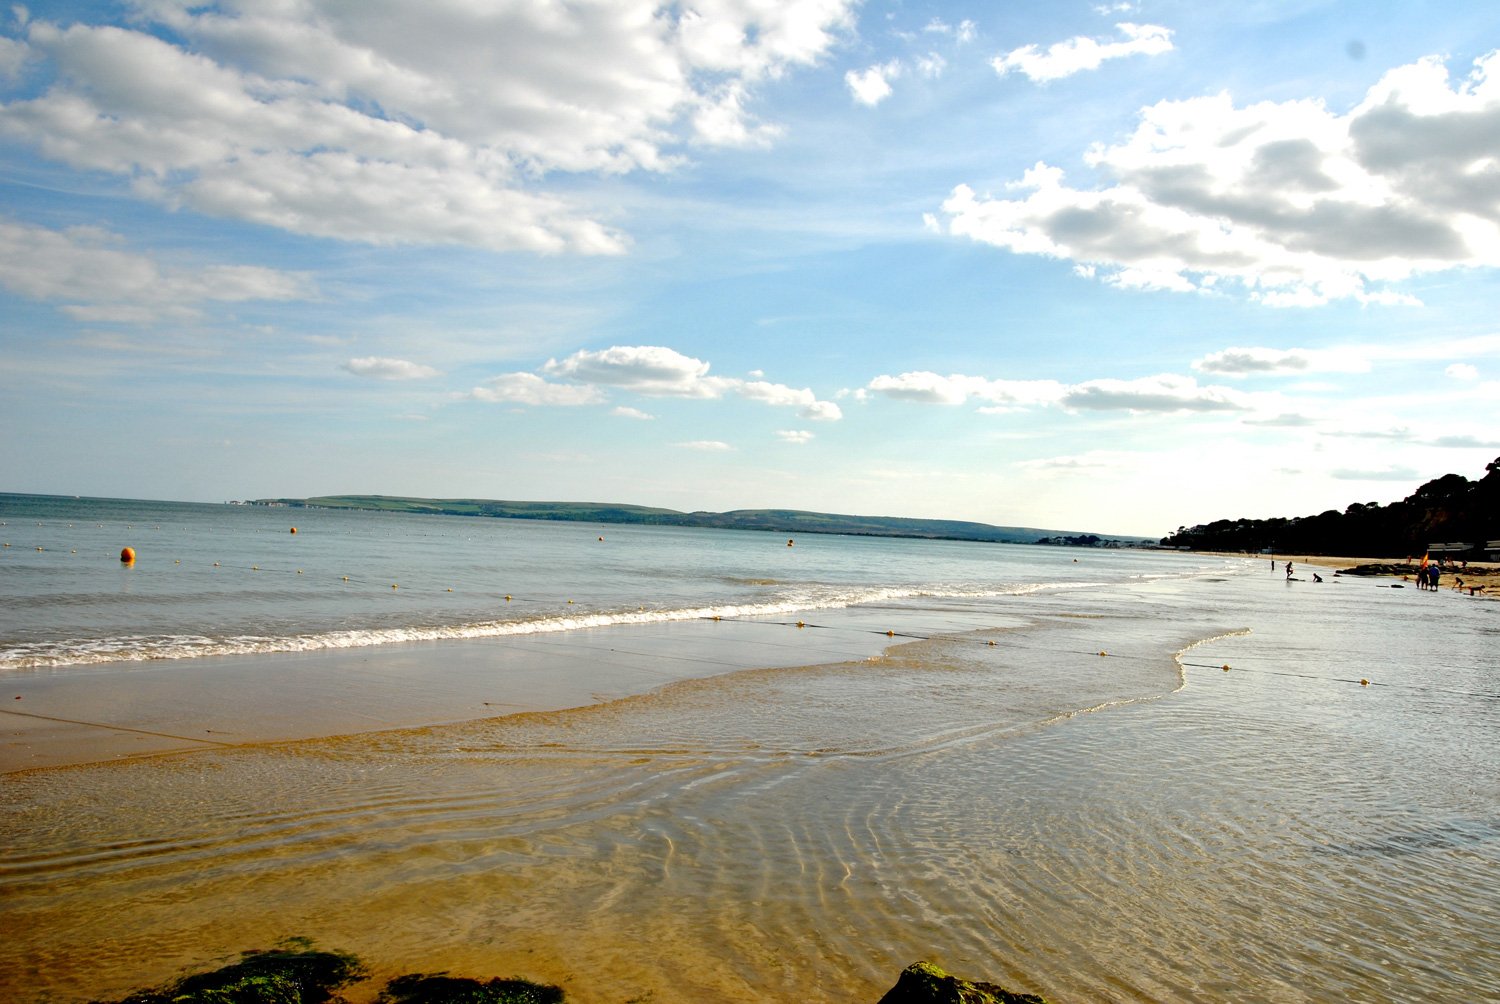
<point x="1450" y="509"/>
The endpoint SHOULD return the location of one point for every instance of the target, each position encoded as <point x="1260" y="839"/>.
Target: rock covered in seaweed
<point x="297" y="974"/>
<point x="444" y="989"/>
<point x="924" y="983"/>
<point x="294" y="974"/>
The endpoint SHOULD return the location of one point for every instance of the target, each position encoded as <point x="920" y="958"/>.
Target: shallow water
<point x="1136" y="826"/>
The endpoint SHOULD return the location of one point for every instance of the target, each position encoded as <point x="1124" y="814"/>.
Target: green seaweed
<point x="925" y="983"/>
<point x="440" y="988"/>
<point x="293" y="974"/>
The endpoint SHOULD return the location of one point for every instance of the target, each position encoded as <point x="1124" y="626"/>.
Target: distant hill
<point x="1449" y="510"/>
<point x="776" y="520"/>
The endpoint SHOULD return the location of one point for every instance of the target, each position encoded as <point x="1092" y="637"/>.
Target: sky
<point x="1093" y="267"/>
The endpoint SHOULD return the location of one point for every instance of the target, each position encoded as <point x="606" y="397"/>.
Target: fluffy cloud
<point x="388" y="122"/>
<point x="797" y="436"/>
<point x="931" y="388"/>
<point x="873" y="85"/>
<point x="1289" y="201"/>
<point x="657" y="371"/>
<point x="379" y="368"/>
<point x="634" y="413"/>
<point x="528" y="388"/>
<point x="1262" y="361"/>
<point x="706" y="445"/>
<point x="1164" y="393"/>
<point x="96" y="279"/>
<point x="1462" y="371"/>
<point x="648" y="370"/>
<point x="1063" y="59"/>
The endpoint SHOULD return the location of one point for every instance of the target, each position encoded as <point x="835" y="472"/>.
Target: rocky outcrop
<point x="924" y="983"/>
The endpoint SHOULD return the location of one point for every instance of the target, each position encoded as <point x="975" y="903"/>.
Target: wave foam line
<point x="145" y="648"/>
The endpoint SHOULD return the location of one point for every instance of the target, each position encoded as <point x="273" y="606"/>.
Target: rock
<point x="924" y="983"/>
<point x="445" y="989"/>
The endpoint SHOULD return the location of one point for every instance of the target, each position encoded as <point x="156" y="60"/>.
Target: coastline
<point x="1486" y="570"/>
<point x="118" y="711"/>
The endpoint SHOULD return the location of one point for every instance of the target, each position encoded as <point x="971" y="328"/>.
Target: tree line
<point x="1449" y="509"/>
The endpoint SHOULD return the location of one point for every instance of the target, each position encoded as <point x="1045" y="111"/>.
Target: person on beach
<point x="1289" y="571"/>
<point x="1433" y="574"/>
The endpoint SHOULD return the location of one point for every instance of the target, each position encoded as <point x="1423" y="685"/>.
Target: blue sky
<point x="1084" y="266"/>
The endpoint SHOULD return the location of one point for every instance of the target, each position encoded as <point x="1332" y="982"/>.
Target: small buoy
<point x="216" y="564"/>
<point x="1364" y="683"/>
<point x="294" y="529"/>
<point x="177" y="562"/>
<point x="127" y="554"/>
<point x="992" y="644"/>
<point x="299" y="571"/>
<point x="789" y="543"/>
<point x="1102" y="652"/>
<point x="75" y="551"/>
<point x="570" y="601"/>
<point x="254" y="568"/>
<point x="890" y="634"/>
<point x="39" y="547"/>
<point x="346" y="578"/>
<point x="1226" y="667"/>
<point x="601" y="538"/>
<point x="800" y="624"/>
<point x="450" y="589"/>
<point x="395" y="586"/>
<point x="507" y="597"/>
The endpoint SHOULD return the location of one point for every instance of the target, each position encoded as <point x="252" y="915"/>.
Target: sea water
<point x="1138" y="777"/>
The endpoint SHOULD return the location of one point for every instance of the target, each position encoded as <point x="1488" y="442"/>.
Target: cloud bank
<point x="1288" y="202"/>
<point x="387" y="122"/>
<point x="647" y="370"/>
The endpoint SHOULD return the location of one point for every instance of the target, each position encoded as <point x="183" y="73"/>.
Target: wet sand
<point x="80" y="715"/>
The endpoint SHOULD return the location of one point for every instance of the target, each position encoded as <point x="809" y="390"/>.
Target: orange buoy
<point x="789" y="543"/>
<point x="294" y="529"/>
<point x="127" y="555"/>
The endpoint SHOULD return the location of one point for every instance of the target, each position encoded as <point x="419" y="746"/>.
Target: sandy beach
<point x="126" y="710"/>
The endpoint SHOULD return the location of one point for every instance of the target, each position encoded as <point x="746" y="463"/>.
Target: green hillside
<point x="774" y="520"/>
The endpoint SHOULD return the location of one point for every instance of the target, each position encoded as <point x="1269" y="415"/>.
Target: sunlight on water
<point x="1132" y="826"/>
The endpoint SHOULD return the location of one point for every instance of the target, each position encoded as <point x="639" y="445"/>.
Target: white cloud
<point x="379" y="368"/>
<point x="797" y="436"/>
<point x="1164" y="393"/>
<point x="1466" y="372"/>
<point x="873" y="85"/>
<point x="635" y="413"/>
<point x="1063" y="59"/>
<point x="706" y="445"/>
<point x="528" y="388"/>
<point x="1289" y="202"/>
<point x="657" y="371"/>
<point x="931" y="388"/>
<point x="96" y="279"/>
<point x="652" y="370"/>
<point x="388" y="122"/>
<point x="1257" y="361"/>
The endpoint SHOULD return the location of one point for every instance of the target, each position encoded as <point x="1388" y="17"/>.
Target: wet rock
<point x="924" y="983"/>
<point x="445" y="989"/>
<point x="295" y="974"/>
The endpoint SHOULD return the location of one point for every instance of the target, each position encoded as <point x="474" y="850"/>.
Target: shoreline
<point x="113" y="712"/>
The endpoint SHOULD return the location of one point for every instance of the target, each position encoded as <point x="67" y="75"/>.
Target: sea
<point x="1094" y="774"/>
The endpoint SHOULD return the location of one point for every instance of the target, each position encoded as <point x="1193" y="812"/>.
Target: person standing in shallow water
<point x="1289" y="571"/>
